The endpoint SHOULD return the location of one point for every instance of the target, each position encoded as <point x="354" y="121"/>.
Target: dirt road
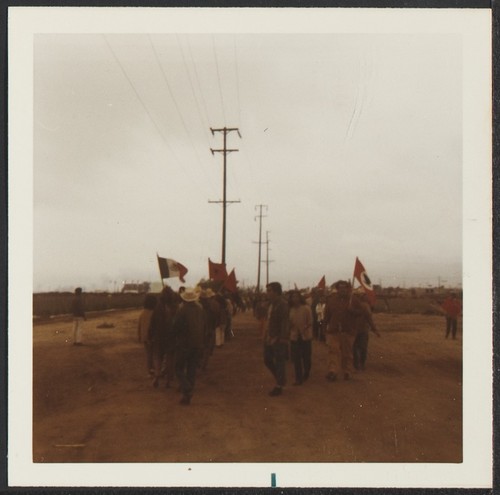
<point x="95" y="403"/>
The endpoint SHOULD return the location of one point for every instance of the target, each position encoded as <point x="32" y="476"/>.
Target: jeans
<point x="360" y="350"/>
<point x="451" y="325"/>
<point x="301" y="357"/>
<point x="275" y="357"/>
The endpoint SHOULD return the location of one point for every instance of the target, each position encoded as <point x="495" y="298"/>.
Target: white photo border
<point x="474" y="25"/>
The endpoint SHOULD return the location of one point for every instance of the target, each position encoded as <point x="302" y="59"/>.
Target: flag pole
<point x="158" y="261"/>
<point x="352" y="284"/>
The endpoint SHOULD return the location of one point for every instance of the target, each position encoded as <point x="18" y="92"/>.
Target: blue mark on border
<point x="273" y="480"/>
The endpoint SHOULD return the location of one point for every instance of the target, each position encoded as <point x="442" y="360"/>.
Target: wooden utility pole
<point x="260" y="242"/>
<point x="267" y="260"/>
<point x="224" y="201"/>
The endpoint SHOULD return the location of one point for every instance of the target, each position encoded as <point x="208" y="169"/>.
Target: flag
<point x="171" y="268"/>
<point x="230" y="282"/>
<point x="361" y="276"/>
<point x="322" y="283"/>
<point x="216" y="271"/>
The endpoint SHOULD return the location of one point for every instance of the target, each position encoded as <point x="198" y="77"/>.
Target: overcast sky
<point x="354" y="143"/>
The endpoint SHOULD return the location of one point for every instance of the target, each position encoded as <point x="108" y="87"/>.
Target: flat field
<point x="95" y="403"/>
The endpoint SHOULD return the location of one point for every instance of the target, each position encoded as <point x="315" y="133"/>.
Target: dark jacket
<point x="278" y="326"/>
<point x="161" y="334"/>
<point x="189" y="326"/>
<point x="77" y="307"/>
<point x="339" y="316"/>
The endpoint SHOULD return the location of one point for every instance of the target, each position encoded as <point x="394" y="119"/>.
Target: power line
<point x="205" y="132"/>
<point x="237" y="81"/>
<point x="178" y="110"/>
<point x="146" y="109"/>
<point x="136" y="92"/>
<point x="218" y="78"/>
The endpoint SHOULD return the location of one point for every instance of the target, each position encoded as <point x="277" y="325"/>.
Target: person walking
<point x="143" y="326"/>
<point x="260" y="310"/>
<point x="212" y="310"/>
<point x="189" y="327"/>
<point x="220" y="328"/>
<point x="340" y="332"/>
<point x="162" y="337"/>
<point x="320" y="317"/>
<point x="452" y="309"/>
<point x="228" y="330"/>
<point x="276" y="337"/>
<point x="77" y="308"/>
<point x="363" y="324"/>
<point x="300" y="336"/>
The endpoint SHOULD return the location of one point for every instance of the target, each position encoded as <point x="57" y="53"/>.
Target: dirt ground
<point x="95" y="403"/>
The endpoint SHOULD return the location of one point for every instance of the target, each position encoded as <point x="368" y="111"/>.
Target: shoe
<point x="347" y="376"/>
<point x="155" y="382"/>
<point x="77" y="343"/>
<point x="331" y="376"/>
<point x="306" y="376"/>
<point x="186" y="400"/>
<point x="297" y="383"/>
<point x="276" y="391"/>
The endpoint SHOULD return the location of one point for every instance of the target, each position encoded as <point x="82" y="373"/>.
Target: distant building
<point x="131" y="288"/>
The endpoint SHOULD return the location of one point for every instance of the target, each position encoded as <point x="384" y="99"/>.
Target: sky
<point x="353" y="142"/>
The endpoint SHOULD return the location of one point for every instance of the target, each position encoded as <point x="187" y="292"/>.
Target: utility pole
<point x="260" y="241"/>
<point x="224" y="201"/>
<point x="267" y="260"/>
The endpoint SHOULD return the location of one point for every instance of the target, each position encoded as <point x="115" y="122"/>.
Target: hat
<point x="206" y="293"/>
<point x="190" y="295"/>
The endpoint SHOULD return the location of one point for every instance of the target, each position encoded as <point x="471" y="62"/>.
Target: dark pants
<point x="186" y="362"/>
<point x="149" y="355"/>
<point x="275" y="356"/>
<point x="360" y="350"/>
<point x="228" y="329"/>
<point x="209" y="347"/>
<point x="451" y="325"/>
<point x="301" y="357"/>
<point x="315" y="328"/>
<point x="321" y="331"/>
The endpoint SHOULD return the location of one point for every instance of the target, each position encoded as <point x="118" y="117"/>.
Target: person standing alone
<point x="452" y="309"/>
<point x="78" y="316"/>
<point x="276" y="337"/>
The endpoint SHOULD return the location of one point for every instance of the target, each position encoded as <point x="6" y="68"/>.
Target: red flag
<point x="230" y="282"/>
<point x="216" y="271"/>
<point x="361" y="276"/>
<point x="322" y="283"/>
<point x="171" y="268"/>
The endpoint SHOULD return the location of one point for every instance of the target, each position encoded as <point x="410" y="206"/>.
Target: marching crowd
<point x="179" y="330"/>
<point x="343" y="320"/>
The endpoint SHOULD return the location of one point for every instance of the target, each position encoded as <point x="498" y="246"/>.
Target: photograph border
<point x="13" y="271"/>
